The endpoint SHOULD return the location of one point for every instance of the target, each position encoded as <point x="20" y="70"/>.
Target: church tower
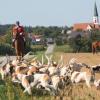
<point x="95" y="17"/>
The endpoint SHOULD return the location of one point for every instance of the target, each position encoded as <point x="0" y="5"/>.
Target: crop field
<point x="80" y="91"/>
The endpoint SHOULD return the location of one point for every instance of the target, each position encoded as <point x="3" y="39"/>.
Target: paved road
<point x="3" y="60"/>
<point x="50" y="49"/>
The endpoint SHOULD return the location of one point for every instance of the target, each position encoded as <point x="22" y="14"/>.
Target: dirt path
<point x="3" y="59"/>
<point x="50" y="49"/>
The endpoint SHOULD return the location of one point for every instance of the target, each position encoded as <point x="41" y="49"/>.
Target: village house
<point x="88" y="26"/>
<point x="36" y="39"/>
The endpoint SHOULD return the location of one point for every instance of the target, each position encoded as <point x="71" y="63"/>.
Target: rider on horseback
<point x="19" y="30"/>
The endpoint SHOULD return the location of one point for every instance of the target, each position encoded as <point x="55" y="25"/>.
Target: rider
<point x="19" y="30"/>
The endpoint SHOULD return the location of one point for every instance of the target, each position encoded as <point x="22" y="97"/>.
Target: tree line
<point x="84" y="43"/>
<point x="6" y="36"/>
<point x="78" y="44"/>
<point x="41" y="30"/>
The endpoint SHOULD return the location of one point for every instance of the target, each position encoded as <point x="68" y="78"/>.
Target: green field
<point x="63" y="48"/>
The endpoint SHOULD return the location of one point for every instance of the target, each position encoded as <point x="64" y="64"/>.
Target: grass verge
<point x="63" y="48"/>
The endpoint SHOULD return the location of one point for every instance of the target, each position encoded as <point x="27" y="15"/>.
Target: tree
<point x="82" y="43"/>
<point x="95" y="35"/>
<point x="76" y="43"/>
<point x="8" y="37"/>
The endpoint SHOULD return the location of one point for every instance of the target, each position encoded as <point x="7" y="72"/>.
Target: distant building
<point x="88" y="26"/>
<point x="36" y="39"/>
<point x="73" y="34"/>
<point x="85" y="26"/>
<point x="49" y="40"/>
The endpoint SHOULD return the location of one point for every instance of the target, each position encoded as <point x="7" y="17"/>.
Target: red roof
<point x="36" y="36"/>
<point x="83" y="26"/>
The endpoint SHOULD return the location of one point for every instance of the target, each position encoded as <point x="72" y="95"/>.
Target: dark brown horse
<point x="19" y="40"/>
<point x="95" y="45"/>
<point x="19" y="47"/>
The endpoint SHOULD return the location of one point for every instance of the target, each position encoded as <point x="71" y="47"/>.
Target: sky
<point x="47" y="12"/>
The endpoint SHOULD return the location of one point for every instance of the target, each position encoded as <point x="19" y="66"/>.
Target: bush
<point x="36" y="48"/>
<point x="27" y="49"/>
<point x="6" y="49"/>
<point x="80" y="44"/>
<point x="59" y="41"/>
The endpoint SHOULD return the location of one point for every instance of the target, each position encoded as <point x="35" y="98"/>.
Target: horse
<point x="95" y="45"/>
<point x="19" y="46"/>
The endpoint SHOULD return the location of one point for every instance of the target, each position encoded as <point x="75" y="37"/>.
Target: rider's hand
<point x="13" y="40"/>
<point x="21" y="33"/>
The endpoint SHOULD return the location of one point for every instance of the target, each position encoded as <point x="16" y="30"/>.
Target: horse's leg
<point x="16" y="49"/>
<point x="96" y="50"/>
<point x="93" y="49"/>
<point x="18" y="54"/>
<point x="22" y="50"/>
<point x="21" y="54"/>
<point x="79" y="49"/>
<point x="20" y="57"/>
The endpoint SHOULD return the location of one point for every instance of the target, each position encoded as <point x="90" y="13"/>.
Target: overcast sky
<point x="47" y="12"/>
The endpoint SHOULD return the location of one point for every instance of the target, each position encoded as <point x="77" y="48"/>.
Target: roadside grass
<point x="63" y="48"/>
<point x="36" y="48"/>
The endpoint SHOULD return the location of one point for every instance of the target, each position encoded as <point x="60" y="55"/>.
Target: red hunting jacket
<point x="19" y="31"/>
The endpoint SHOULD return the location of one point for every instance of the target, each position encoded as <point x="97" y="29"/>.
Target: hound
<point x="25" y="81"/>
<point x="32" y="70"/>
<point x="81" y="76"/>
<point x="5" y="70"/>
<point x="22" y="70"/>
<point x="76" y="66"/>
<point x="43" y="80"/>
<point x="97" y="83"/>
<point x="95" y="69"/>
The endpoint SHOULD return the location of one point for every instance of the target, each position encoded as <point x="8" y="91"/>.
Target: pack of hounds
<point x="49" y="75"/>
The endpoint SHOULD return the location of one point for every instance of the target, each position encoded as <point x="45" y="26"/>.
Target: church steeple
<point x="95" y="17"/>
<point x="95" y="10"/>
